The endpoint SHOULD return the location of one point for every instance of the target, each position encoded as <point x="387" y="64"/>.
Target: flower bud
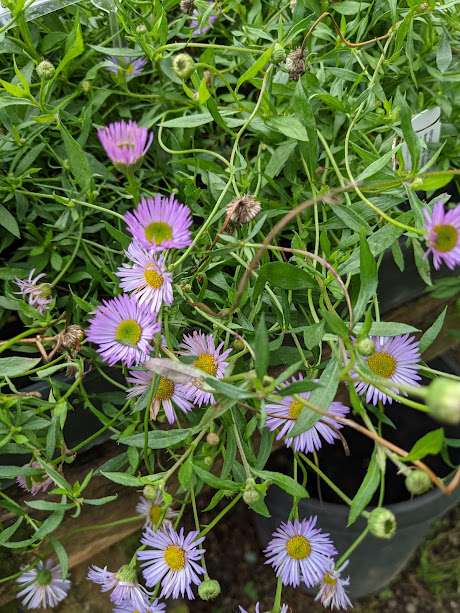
<point x="382" y="523"/>
<point x="418" y="482"/>
<point x="238" y="344"/>
<point x="241" y="210"/>
<point x="279" y="54"/>
<point x="365" y="346"/>
<point x="150" y="492"/>
<point x="45" y="70"/>
<point x="209" y="589"/>
<point x="183" y="65"/>
<point x="443" y="400"/>
<point x="187" y="6"/>
<point x="295" y="64"/>
<point x="208" y="461"/>
<point x="250" y="494"/>
<point x="86" y="86"/>
<point x="212" y="439"/>
<point x="141" y="29"/>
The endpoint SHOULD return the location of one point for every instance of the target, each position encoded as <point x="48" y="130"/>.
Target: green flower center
<point x="128" y="332"/>
<point x="153" y="278"/>
<point x="155" y="514"/>
<point x="44" y="577"/>
<point x="298" y="548"/>
<point x="446" y="238"/>
<point x="382" y="364"/>
<point x="158" y="231"/>
<point x="174" y="557"/>
<point x="295" y="408"/>
<point x="329" y="579"/>
<point x="165" y="389"/>
<point x="206" y="362"/>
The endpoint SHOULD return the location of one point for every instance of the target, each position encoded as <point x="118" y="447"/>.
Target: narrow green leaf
<point x="9" y="222"/>
<point x="123" y="478"/>
<point x="290" y="126"/>
<point x="366" y="491"/>
<point x="214" y="481"/>
<point x="157" y="439"/>
<point x="409" y="135"/>
<point x="298" y="387"/>
<point x="261" y="348"/>
<point x="283" y="275"/>
<point x="255" y="67"/>
<point x="430" y="444"/>
<point x="368" y="276"/>
<point x="62" y="556"/>
<point x="15" y="365"/>
<point x="78" y="161"/>
<point x="430" y="335"/>
<point x="334" y="323"/>
<point x="286" y="483"/>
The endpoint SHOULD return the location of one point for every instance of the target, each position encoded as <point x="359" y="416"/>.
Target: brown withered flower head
<point x="186" y="6"/>
<point x="243" y="209"/>
<point x="295" y="63"/>
<point x="72" y="337"/>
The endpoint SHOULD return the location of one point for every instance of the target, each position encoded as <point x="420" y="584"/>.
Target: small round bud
<point x="279" y="54"/>
<point x="45" y="70"/>
<point x="150" y="492"/>
<point x="208" y="460"/>
<point x="251" y="496"/>
<point x="212" y="439"/>
<point x="141" y="29"/>
<point x="238" y="344"/>
<point x="86" y="86"/>
<point x="365" y="346"/>
<point x="382" y="523"/>
<point x="183" y="65"/>
<point x="443" y="400"/>
<point x="187" y="6"/>
<point x="243" y="209"/>
<point x="209" y="589"/>
<point x="418" y="482"/>
<point x="295" y="64"/>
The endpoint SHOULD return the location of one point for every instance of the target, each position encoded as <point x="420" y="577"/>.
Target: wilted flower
<point x="167" y="395"/>
<point x="125" y="142"/>
<point x="443" y="230"/>
<point x="72" y="337"/>
<point x="173" y="559"/>
<point x="126" y="65"/>
<point x="243" y="209"/>
<point x="186" y="6"/>
<point x="284" y="414"/>
<point x="295" y="63"/>
<point x="38" y="295"/>
<point x="332" y="591"/>
<point x="396" y="358"/>
<point x="284" y="609"/>
<point x="208" y="358"/>
<point x="160" y="223"/>
<point x="42" y="586"/>
<point x="201" y="24"/>
<point x="123" y="329"/>
<point x="147" y="279"/>
<point x="123" y="585"/>
<point x="35" y="484"/>
<point x="152" y="510"/>
<point x="300" y="552"/>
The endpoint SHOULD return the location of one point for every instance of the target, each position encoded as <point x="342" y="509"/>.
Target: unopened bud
<point x="243" y="209"/>
<point x="382" y="523"/>
<point x="187" y="6"/>
<point x="209" y="589"/>
<point x="208" y="460"/>
<point x="183" y="65"/>
<point x="86" y="86"/>
<point x="150" y="492"/>
<point x="279" y="54"/>
<point x="295" y="64"/>
<point x="365" y="346"/>
<point x="250" y="494"/>
<point x="418" y="482"/>
<point x="443" y="400"/>
<point x="238" y="344"/>
<point x="212" y="439"/>
<point x="45" y="70"/>
<point x="141" y="29"/>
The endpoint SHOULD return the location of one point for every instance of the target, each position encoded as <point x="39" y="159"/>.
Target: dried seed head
<point x="72" y="337"/>
<point x="187" y="6"/>
<point x="295" y="63"/>
<point x="241" y="210"/>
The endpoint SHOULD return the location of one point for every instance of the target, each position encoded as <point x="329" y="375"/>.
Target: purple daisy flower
<point x="160" y="223"/>
<point x="152" y="511"/>
<point x="129" y="607"/>
<point x="42" y="586"/>
<point x="123" y="585"/>
<point x="35" y="483"/>
<point x="396" y="358"/>
<point x="284" y="414"/>
<point x="443" y="235"/>
<point x="284" y="609"/>
<point x="125" y="142"/>
<point x="332" y="592"/>
<point x="38" y="295"/>
<point x="201" y="24"/>
<point x="208" y="358"/>
<point x="173" y="560"/>
<point x="123" y="329"/>
<point x="167" y="395"/>
<point x="147" y="278"/>
<point x="126" y="65"/>
<point x="300" y="552"/>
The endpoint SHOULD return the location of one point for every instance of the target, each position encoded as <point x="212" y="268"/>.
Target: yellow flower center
<point x="329" y="579"/>
<point x="174" y="557"/>
<point x="206" y="362"/>
<point x="382" y="364"/>
<point x="158" y="231"/>
<point x="125" y="144"/>
<point x="153" y="278"/>
<point x="298" y="548"/>
<point x="128" y="332"/>
<point x="155" y="514"/>
<point x="446" y="237"/>
<point x="295" y="408"/>
<point x="165" y="389"/>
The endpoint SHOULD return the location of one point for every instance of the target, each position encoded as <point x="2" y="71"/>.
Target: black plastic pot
<point x="375" y="562"/>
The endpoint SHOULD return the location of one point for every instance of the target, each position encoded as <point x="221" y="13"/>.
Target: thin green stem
<point x="352" y="547"/>
<point x="278" y="594"/>
<point x="220" y="515"/>
<point x="67" y="265"/>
